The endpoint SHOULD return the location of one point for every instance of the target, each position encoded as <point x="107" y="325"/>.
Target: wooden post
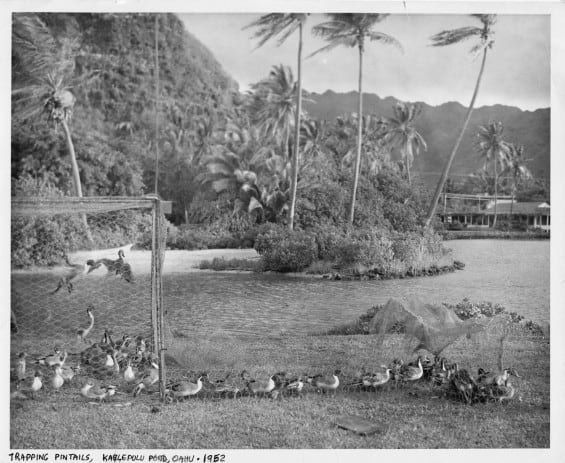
<point x="157" y="318"/>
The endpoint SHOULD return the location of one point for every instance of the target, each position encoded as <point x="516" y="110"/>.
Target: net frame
<point x="41" y="206"/>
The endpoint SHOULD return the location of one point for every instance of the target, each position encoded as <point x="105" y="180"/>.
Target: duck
<point x="440" y="372"/>
<point x="66" y="281"/>
<point x="220" y="386"/>
<point x="51" y="360"/>
<point x="129" y="373"/>
<point x="395" y="367"/>
<point x="112" y="266"/>
<point x="93" y="354"/>
<point x="35" y="384"/>
<point x="140" y="345"/>
<point x="126" y="272"/>
<point x="18" y="373"/>
<point x="295" y="385"/>
<point x="452" y="369"/>
<point x="381" y="378"/>
<point x="68" y="372"/>
<point x="258" y="386"/>
<point x="499" y="379"/>
<point x="90" y="391"/>
<point x="507" y="392"/>
<point x="428" y="367"/>
<point x="498" y="393"/>
<point x="184" y="389"/>
<point x="57" y="380"/>
<point x="150" y="378"/>
<point x="82" y="333"/>
<point x="325" y="383"/>
<point x="107" y="338"/>
<point x="482" y="374"/>
<point x="411" y="372"/>
<point x="464" y="385"/>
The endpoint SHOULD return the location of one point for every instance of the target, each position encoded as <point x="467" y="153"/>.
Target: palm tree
<point x="271" y="106"/>
<point x="285" y="24"/>
<point x="247" y="166"/>
<point x="376" y="153"/>
<point x="47" y="67"/>
<point x="486" y="41"/>
<point x="402" y="135"/>
<point x="517" y="168"/>
<point x="494" y="148"/>
<point x="353" y="30"/>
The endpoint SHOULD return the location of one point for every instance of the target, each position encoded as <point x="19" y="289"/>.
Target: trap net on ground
<point x="84" y="304"/>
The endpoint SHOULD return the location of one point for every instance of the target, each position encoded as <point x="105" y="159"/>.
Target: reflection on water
<point x="512" y="273"/>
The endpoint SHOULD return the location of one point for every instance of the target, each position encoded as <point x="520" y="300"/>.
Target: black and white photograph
<point x="304" y="226"/>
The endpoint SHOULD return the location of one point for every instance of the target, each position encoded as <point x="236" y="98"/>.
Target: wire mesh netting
<point x="82" y="301"/>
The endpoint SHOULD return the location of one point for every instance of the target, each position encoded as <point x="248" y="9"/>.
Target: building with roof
<point x="459" y="213"/>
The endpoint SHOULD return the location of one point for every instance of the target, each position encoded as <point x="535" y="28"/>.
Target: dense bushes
<point x="285" y="251"/>
<point x="379" y="251"/>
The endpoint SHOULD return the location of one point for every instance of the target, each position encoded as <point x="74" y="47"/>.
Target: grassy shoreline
<point x="417" y="416"/>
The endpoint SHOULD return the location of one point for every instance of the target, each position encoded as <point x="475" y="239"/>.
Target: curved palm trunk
<point x="359" y="139"/>
<point x="294" y="179"/>
<point x="445" y="173"/>
<point x="495" y="190"/>
<point x="76" y="176"/>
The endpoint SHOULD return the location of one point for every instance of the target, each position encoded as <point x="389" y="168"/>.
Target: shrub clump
<point x="282" y="250"/>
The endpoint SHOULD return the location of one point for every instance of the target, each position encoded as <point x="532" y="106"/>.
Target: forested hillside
<point x="439" y="125"/>
<point x="107" y="61"/>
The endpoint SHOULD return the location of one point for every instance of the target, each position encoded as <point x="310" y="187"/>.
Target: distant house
<point x="518" y="215"/>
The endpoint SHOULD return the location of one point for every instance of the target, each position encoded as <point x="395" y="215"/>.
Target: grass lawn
<point x="415" y="416"/>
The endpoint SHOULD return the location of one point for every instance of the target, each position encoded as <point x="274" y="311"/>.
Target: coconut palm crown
<point x="353" y="30"/>
<point x="401" y="134"/>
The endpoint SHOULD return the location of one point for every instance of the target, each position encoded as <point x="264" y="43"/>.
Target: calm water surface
<point x="512" y="273"/>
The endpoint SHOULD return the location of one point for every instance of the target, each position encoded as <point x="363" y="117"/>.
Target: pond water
<point x="512" y="273"/>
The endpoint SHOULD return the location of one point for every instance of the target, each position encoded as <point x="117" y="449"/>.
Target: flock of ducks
<point x="133" y="369"/>
<point x="117" y="267"/>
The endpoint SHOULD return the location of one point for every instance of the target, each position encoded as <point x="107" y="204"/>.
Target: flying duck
<point x="76" y="270"/>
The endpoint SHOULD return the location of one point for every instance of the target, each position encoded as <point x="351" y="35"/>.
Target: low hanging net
<point x="425" y="326"/>
<point x="82" y="297"/>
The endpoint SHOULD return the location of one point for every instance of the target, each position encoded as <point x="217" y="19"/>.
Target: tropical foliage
<point x="235" y="165"/>
<point x="269" y="26"/>
<point x="401" y="134"/>
<point x="495" y="150"/>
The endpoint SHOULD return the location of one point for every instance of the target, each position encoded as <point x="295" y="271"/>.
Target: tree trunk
<point x="445" y="173"/>
<point x="294" y="179"/>
<point x="76" y="176"/>
<point x="495" y="189"/>
<point x="359" y="138"/>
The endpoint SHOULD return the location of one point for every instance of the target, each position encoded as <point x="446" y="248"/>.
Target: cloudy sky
<point x="517" y="71"/>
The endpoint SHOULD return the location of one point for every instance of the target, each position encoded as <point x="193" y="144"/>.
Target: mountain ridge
<point x="440" y="125"/>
